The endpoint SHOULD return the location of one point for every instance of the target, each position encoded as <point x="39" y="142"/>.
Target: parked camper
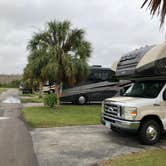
<point x="97" y="87"/>
<point x="142" y="107"/>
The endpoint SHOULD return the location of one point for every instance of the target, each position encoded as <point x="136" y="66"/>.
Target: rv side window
<point x="99" y="75"/>
<point x="96" y="76"/>
<point x="104" y="76"/>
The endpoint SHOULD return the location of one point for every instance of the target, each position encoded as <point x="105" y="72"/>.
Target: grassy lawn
<point x="148" y="158"/>
<point x="32" y="100"/>
<point x="28" y="95"/>
<point x="2" y="90"/>
<point x="66" y="115"/>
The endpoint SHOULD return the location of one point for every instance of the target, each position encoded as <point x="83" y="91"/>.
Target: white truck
<point x="142" y="107"/>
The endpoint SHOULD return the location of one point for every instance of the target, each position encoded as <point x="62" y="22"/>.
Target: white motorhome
<point x="142" y="107"/>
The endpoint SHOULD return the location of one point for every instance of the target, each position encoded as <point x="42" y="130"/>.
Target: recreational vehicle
<point x="97" y="87"/>
<point x="142" y="107"/>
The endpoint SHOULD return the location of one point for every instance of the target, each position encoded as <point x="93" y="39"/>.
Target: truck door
<point x="162" y="107"/>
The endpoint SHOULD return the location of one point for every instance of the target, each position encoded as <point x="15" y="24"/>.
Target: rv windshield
<point x="145" y="89"/>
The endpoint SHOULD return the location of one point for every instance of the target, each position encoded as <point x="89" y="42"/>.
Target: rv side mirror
<point x="164" y="95"/>
<point x="122" y="91"/>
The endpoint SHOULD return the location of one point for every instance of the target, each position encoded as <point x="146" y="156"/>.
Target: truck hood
<point x="132" y="101"/>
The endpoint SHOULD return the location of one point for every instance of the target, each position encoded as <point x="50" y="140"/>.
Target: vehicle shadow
<point x="131" y="140"/>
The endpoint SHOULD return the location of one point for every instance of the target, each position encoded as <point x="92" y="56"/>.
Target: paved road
<point x="83" y="145"/>
<point x="16" y="147"/>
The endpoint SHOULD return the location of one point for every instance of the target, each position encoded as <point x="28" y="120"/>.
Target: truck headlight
<point x="129" y="113"/>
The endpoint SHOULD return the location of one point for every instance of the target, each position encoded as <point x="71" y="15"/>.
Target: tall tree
<point x="33" y="71"/>
<point x="65" y="52"/>
<point x="157" y="7"/>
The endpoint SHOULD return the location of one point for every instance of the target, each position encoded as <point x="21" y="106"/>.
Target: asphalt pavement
<point x="16" y="147"/>
<point x="84" y="145"/>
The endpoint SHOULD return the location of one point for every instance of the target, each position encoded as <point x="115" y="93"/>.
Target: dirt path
<point x="16" y="147"/>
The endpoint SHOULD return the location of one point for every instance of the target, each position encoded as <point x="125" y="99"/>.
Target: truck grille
<point x="111" y="110"/>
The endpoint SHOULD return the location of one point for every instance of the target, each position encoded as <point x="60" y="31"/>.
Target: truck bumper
<point x="121" y="124"/>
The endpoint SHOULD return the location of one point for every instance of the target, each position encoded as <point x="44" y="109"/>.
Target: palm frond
<point x="157" y="7"/>
<point x="59" y="31"/>
<point x="74" y="39"/>
<point x="59" y="53"/>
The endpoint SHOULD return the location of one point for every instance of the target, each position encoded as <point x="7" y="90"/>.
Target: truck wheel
<point x="81" y="100"/>
<point x="149" y="132"/>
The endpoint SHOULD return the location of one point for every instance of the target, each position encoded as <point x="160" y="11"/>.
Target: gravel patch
<point x="83" y="145"/>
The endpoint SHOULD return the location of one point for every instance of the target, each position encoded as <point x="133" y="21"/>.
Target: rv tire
<point x="81" y="100"/>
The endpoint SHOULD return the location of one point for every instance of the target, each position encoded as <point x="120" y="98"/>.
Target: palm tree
<point x="33" y="71"/>
<point x="157" y="7"/>
<point x="65" y="52"/>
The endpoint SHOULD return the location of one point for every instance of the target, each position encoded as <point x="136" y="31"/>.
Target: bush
<point x="50" y="100"/>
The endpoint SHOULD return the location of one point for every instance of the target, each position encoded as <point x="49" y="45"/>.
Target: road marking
<point x="4" y="118"/>
<point x="11" y="100"/>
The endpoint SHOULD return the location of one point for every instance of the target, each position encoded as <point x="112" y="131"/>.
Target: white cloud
<point x="113" y="28"/>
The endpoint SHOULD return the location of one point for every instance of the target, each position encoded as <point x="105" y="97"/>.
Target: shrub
<point x="50" y="100"/>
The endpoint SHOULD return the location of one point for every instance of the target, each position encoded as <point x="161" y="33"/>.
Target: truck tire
<point x="81" y="100"/>
<point x="149" y="132"/>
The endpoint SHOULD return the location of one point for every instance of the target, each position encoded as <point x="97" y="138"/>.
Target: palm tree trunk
<point x="57" y="94"/>
<point x="40" y="89"/>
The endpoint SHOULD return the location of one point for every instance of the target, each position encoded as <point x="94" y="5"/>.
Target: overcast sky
<point x="113" y="27"/>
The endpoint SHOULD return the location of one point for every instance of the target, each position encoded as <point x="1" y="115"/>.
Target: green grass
<point x="32" y="100"/>
<point x="66" y="115"/>
<point x="29" y="95"/>
<point x="147" y="158"/>
<point x="2" y="90"/>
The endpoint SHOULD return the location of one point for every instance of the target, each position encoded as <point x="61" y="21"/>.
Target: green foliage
<point x="13" y="84"/>
<point x="30" y="78"/>
<point x="2" y="90"/>
<point x="50" y="100"/>
<point x="30" y="84"/>
<point x="58" y="54"/>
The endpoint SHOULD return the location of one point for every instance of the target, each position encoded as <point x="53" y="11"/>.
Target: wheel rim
<point x="151" y="133"/>
<point x="82" y="100"/>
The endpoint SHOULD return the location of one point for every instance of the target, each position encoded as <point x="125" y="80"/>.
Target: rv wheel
<point x="81" y="100"/>
<point x="149" y="132"/>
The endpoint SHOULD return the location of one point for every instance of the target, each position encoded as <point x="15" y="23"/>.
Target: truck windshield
<point x="146" y="89"/>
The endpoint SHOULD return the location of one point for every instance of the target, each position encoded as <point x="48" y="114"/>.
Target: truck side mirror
<point x="164" y="95"/>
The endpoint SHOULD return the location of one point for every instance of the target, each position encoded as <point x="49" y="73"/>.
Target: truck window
<point x="145" y="89"/>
